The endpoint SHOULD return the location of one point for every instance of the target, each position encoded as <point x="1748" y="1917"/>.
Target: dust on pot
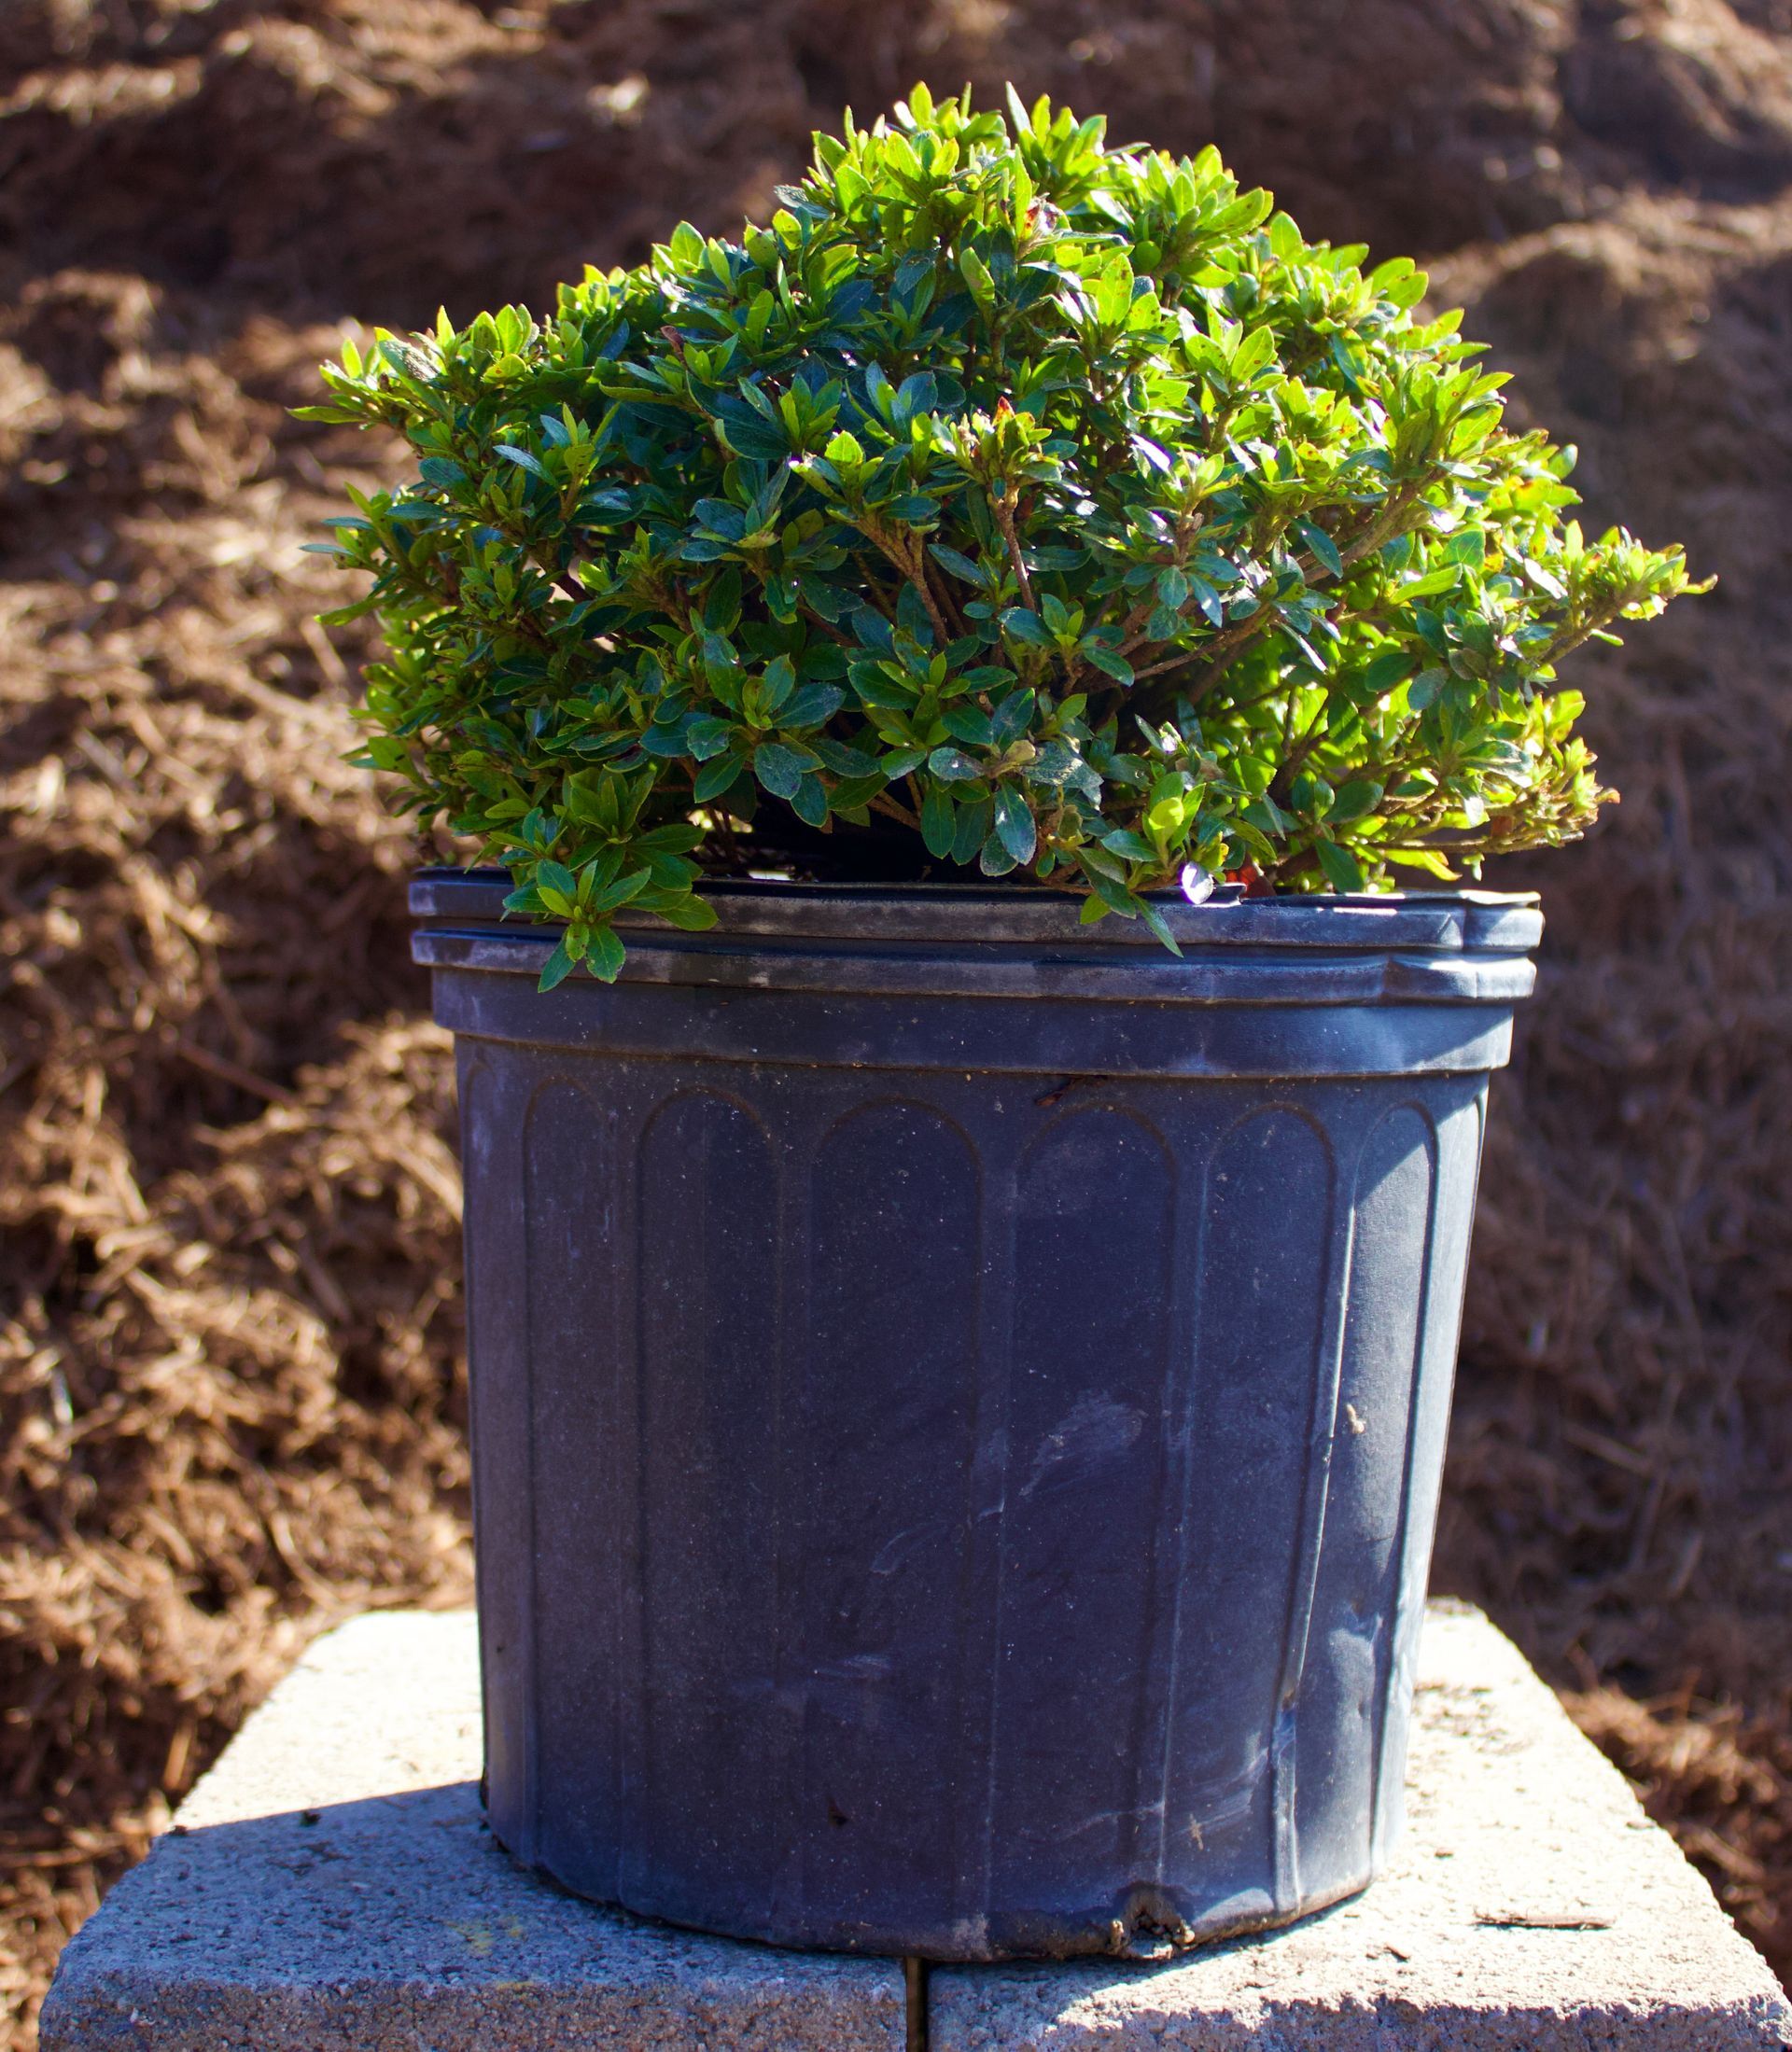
<point x="959" y="1398"/>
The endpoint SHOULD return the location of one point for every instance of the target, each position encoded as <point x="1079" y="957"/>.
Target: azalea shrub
<point x="1009" y="505"/>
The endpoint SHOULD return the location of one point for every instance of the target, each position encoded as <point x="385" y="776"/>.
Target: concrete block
<point x="329" y="1888"/>
<point x="1532" y="1905"/>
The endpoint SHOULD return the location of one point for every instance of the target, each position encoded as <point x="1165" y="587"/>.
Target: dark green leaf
<point x="1355" y="800"/>
<point x="1339" y="865"/>
<point x="1026" y="626"/>
<point x="1323" y="548"/>
<point x="952" y="766"/>
<point x="779" y="769"/>
<point x="556" y="968"/>
<point x="995" y="857"/>
<point x="809" y="802"/>
<point x="605" y="958"/>
<point x="693" y="914"/>
<point x="937" y="822"/>
<point x="1154" y="919"/>
<point x="973" y="826"/>
<point x="960" y="565"/>
<point x="521" y="459"/>
<point x="1014" y="827"/>
<point x="714" y="778"/>
<point x="1107" y="661"/>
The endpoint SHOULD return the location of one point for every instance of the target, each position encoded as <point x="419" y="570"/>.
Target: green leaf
<point x="938" y="822"/>
<point x="976" y="274"/>
<point x="1254" y="354"/>
<point x="1159" y="926"/>
<point x="694" y="914"/>
<point x="970" y="724"/>
<point x="704" y="738"/>
<point x="1432" y="860"/>
<point x="973" y="826"/>
<point x="556" y="877"/>
<point x="995" y="858"/>
<point x="1015" y="826"/>
<point x="1323" y="548"/>
<point x="1134" y="847"/>
<point x="1391" y="666"/>
<point x="1011" y="718"/>
<point x="960" y="565"/>
<point x="753" y="438"/>
<point x="1106" y="660"/>
<point x="556" y="968"/>
<point x="721" y="602"/>
<point x="873" y="629"/>
<point x="521" y="459"/>
<point x="1339" y="864"/>
<point x="778" y="683"/>
<point x="619" y="893"/>
<point x="714" y="778"/>
<point x="1354" y="800"/>
<point x="1442" y="580"/>
<point x="809" y="802"/>
<point x="606" y="957"/>
<point x="1027" y="626"/>
<point x="779" y="769"/>
<point x="913" y="617"/>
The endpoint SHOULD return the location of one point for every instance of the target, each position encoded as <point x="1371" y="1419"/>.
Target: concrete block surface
<point x="1532" y="1905"/>
<point x="330" y="1887"/>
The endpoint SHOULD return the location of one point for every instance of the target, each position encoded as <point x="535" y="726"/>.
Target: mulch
<point x="232" y="1399"/>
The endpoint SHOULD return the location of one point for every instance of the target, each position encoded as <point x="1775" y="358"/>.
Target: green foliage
<point x="1059" y="506"/>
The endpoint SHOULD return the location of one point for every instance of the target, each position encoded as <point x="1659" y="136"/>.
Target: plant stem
<point x="1003" y="512"/>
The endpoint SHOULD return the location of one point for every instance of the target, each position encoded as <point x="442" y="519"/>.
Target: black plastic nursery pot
<point x="959" y="1398"/>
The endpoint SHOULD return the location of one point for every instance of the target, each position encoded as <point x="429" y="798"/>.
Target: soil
<point x="230" y="1384"/>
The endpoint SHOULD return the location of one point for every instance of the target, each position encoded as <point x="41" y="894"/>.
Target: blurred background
<point x="231" y="1377"/>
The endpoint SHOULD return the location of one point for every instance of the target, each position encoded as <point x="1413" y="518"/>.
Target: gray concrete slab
<point x="329" y="1888"/>
<point x="1532" y="1905"/>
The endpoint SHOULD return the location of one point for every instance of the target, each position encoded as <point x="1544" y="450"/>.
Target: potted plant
<point x="965" y="1246"/>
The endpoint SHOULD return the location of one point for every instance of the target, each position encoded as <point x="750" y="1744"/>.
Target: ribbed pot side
<point x="959" y="1398"/>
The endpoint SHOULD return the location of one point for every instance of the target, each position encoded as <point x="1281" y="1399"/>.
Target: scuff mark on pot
<point x="1094" y="1429"/>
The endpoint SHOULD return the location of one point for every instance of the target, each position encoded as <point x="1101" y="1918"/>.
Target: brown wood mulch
<point x="231" y="1402"/>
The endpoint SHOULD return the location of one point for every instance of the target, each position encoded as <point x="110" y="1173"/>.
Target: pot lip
<point x="770" y="909"/>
